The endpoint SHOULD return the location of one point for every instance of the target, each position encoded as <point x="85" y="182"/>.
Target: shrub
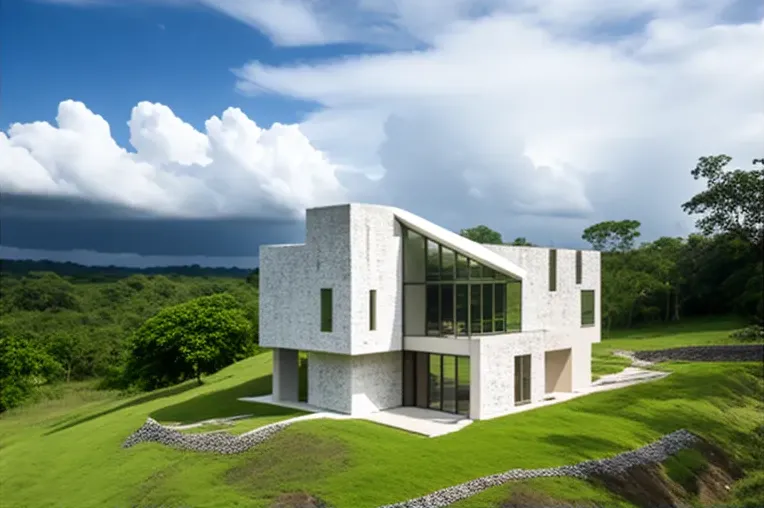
<point x="751" y="333"/>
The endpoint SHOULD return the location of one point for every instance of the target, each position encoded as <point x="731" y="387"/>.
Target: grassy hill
<point x="66" y="451"/>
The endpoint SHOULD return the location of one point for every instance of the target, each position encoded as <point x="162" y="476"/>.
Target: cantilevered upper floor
<point x="369" y="275"/>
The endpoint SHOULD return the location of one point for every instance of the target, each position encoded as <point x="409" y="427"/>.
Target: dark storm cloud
<point x="60" y="225"/>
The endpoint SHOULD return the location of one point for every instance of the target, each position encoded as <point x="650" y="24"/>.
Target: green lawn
<point x="67" y="452"/>
<point x="691" y="332"/>
<point x="544" y="492"/>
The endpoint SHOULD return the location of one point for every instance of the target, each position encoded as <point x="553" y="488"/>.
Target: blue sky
<point x="112" y="57"/>
<point x="535" y="118"/>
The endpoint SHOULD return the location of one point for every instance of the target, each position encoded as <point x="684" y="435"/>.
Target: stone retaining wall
<point x="733" y="353"/>
<point x="217" y="442"/>
<point x="653" y="453"/>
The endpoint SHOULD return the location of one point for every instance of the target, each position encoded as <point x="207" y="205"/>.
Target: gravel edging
<point x="730" y="353"/>
<point x="653" y="453"/>
<point x="217" y="442"/>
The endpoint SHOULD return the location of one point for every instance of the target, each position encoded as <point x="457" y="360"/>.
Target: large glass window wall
<point x="447" y="294"/>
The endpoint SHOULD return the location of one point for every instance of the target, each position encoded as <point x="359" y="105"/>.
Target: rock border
<point x="215" y="441"/>
<point x="652" y="453"/>
<point x="727" y="353"/>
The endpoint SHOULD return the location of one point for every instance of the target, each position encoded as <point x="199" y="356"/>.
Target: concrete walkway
<point x="420" y="421"/>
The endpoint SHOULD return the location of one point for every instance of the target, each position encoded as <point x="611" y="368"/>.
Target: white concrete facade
<point x="357" y="368"/>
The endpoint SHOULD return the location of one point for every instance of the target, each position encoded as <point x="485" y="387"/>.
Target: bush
<point x="749" y="492"/>
<point x="753" y="333"/>
<point x="22" y="367"/>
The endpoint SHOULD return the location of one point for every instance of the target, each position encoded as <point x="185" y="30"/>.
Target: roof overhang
<point x="460" y="244"/>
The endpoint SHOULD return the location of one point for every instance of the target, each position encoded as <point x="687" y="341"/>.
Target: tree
<point x="482" y="234"/>
<point x="664" y="255"/>
<point x="70" y="349"/>
<point x="22" y="366"/>
<point x="733" y="201"/>
<point x="521" y="241"/>
<point x="612" y="236"/>
<point x="190" y="339"/>
<point x="43" y="291"/>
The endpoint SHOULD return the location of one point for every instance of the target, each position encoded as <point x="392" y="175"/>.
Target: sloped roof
<point x="459" y="243"/>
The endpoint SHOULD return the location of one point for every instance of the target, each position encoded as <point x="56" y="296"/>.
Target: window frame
<point x="477" y="274"/>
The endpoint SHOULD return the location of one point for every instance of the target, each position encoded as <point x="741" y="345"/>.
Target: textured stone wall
<point x="732" y="353"/>
<point x="557" y="312"/>
<point x="376" y="263"/>
<point x="651" y="454"/>
<point x="291" y="279"/>
<point x="330" y="379"/>
<point x="492" y="375"/>
<point x="377" y="382"/>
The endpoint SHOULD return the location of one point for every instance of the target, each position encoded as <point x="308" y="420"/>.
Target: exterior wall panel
<point x="291" y="279"/>
<point x="377" y="382"/>
<point x="330" y="380"/>
<point x="376" y="263"/>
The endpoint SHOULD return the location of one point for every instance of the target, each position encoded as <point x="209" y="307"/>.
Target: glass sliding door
<point x="463" y="385"/>
<point x="438" y="382"/>
<point x="449" y="384"/>
<point x="435" y="382"/>
<point x="522" y="379"/>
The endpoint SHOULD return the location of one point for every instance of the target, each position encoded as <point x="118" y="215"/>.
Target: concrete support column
<point x="476" y="408"/>
<point x="285" y="375"/>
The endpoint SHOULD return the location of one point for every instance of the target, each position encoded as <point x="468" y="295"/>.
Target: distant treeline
<point x="106" y="273"/>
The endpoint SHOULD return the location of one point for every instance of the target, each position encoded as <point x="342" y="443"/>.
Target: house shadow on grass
<point x="141" y="399"/>
<point x="222" y="404"/>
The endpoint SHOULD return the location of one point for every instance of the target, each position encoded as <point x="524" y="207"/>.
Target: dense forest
<point x="86" y="325"/>
<point x="142" y="329"/>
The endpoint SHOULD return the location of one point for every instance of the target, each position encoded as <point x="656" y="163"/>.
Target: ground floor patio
<point x="434" y="423"/>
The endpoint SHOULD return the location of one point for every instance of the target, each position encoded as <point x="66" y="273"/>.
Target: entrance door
<point x="522" y="379"/>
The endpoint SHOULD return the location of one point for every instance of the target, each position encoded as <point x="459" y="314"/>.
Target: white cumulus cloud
<point x="235" y="168"/>
<point x="570" y="109"/>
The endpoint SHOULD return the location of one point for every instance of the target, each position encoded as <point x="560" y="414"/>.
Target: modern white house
<point x="393" y="310"/>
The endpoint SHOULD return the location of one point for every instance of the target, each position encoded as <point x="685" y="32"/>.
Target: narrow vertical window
<point x="579" y="267"/>
<point x="552" y="269"/>
<point x="587" y="307"/>
<point x="326" y="310"/>
<point x="373" y="309"/>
